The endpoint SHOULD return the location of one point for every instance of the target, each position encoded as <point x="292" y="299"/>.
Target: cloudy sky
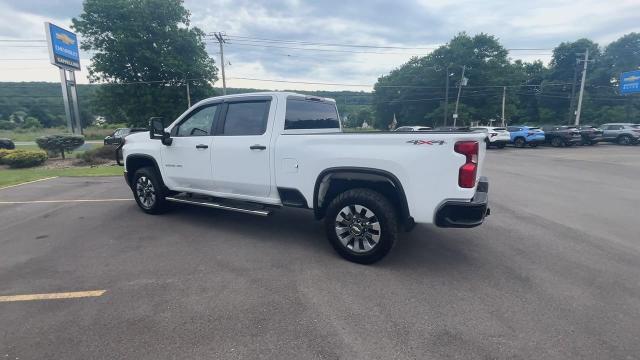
<point x="399" y="28"/>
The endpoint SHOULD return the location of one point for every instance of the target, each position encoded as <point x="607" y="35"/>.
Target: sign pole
<point x="64" y="53"/>
<point x="65" y="98"/>
<point x="74" y="101"/>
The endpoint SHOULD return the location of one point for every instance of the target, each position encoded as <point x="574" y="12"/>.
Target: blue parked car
<point x="522" y="135"/>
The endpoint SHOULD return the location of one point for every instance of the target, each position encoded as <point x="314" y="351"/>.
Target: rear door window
<point x="310" y="114"/>
<point x="246" y="118"/>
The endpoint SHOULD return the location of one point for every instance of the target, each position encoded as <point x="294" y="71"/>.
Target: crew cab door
<point x="240" y="155"/>
<point x="186" y="163"/>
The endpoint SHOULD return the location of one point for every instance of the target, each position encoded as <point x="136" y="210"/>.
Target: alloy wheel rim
<point x="357" y="228"/>
<point x="145" y="192"/>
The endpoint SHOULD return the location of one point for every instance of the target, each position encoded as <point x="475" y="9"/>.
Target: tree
<point x="146" y="51"/>
<point x="31" y="123"/>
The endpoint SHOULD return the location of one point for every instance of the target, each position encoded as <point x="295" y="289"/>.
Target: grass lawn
<point x="16" y="176"/>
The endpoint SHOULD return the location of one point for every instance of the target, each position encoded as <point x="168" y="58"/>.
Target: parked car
<point x="561" y="135"/>
<point x="116" y="137"/>
<point x="522" y="135"/>
<point x="621" y="133"/>
<point x="413" y="128"/>
<point x="496" y="136"/>
<point x="591" y="135"/>
<point x="243" y="153"/>
<point x="7" y="144"/>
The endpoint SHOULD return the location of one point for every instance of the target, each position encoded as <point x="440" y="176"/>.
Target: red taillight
<point x="467" y="172"/>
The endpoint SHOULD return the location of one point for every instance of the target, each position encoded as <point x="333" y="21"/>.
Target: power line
<point x="323" y="50"/>
<point x="301" y="42"/>
<point x="23" y="40"/>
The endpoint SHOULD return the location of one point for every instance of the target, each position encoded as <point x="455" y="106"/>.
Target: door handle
<point x="202" y="146"/>
<point x="257" y="147"/>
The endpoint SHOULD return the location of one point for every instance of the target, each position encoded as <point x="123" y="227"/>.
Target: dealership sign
<point x="63" y="47"/>
<point x="630" y="82"/>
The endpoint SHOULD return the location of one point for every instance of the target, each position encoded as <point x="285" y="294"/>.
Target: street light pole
<point x="504" y="98"/>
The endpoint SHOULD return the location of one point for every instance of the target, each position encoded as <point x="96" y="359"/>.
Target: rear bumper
<point x="465" y="214"/>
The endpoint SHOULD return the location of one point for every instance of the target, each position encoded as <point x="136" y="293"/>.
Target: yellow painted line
<point x="61" y="201"/>
<point x="53" y="296"/>
<point x="28" y="182"/>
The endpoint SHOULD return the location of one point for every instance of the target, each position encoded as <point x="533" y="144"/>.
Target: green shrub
<point x="98" y="155"/>
<point x="60" y="143"/>
<point x="3" y="153"/>
<point x="7" y="125"/>
<point x="7" y="144"/>
<point x="24" y="158"/>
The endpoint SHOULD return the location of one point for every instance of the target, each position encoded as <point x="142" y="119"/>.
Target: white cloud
<point x="411" y="23"/>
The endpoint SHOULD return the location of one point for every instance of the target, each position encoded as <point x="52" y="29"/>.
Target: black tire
<point x="501" y="145"/>
<point x="625" y="140"/>
<point x="384" y="214"/>
<point x="519" y="142"/>
<point x="557" y="142"/>
<point x="149" y="192"/>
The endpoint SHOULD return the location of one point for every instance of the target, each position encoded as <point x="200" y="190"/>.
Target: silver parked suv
<point x="621" y="133"/>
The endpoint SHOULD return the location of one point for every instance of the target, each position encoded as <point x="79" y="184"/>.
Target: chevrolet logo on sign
<point x="65" y="38"/>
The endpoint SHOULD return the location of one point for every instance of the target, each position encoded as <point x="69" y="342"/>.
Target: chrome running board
<point x="215" y="205"/>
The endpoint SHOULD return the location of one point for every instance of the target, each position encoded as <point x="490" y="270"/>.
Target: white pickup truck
<point x="257" y="152"/>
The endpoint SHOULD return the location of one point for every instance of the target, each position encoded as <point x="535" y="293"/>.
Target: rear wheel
<point x="148" y="191"/>
<point x="557" y="142"/>
<point x="361" y="225"/>
<point x="625" y="140"/>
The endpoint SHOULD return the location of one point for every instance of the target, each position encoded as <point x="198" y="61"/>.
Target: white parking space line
<point x="52" y="296"/>
<point x="28" y="182"/>
<point x="62" y="201"/>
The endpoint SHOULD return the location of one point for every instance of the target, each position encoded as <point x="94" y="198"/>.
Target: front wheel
<point x="148" y="191"/>
<point x="361" y="225"/>
<point x="519" y="142"/>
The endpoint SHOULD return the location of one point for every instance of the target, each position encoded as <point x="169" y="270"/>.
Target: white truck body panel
<point x="424" y="163"/>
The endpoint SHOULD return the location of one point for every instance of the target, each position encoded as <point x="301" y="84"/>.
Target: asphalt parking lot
<point x="554" y="273"/>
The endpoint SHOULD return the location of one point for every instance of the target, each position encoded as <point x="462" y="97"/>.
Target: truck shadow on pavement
<point x="296" y="232"/>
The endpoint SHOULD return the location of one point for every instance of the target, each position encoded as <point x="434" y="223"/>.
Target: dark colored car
<point x="119" y="134"/>
<point x="7" y="144"/>
<point x="561" y="135"/>
<point x="591" y="135"/>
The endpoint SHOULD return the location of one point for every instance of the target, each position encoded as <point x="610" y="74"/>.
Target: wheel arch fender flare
<point x="141" y="160"/>
<point x="324" y="179"/>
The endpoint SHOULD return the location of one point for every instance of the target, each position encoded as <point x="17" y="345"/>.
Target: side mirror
<point x="156" y="131"/>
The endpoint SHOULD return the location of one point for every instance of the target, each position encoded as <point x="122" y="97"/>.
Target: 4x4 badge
<point x="426" y="142"/>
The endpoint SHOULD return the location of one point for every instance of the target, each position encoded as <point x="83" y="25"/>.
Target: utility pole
<point x="188" y="94"/>
<point x="572" y="103"/>
<point x="455" y="113"/>
<point x="446" y="99"/>
<point x="220" y="37"/>
<point x="504" y="98"/>
<point x="584" y="76"/>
